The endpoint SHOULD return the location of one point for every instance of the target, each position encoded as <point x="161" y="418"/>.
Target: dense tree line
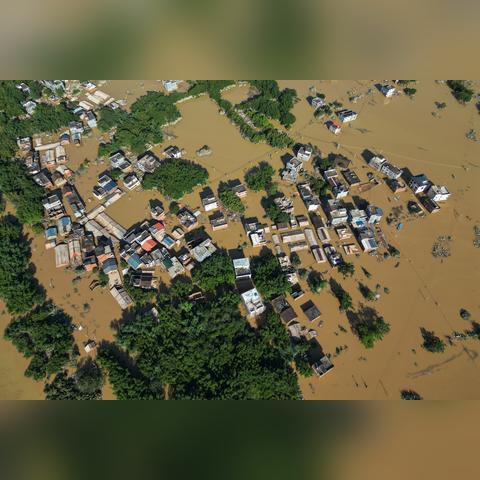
<point x="204" y="350"/>
<point x="264" y="132"/>
<point x="18" y="287"/>
<point x="268" y="276"/>
<point x="142" y="125"/>
<point x="45" y="336"/>
<point x="175" y="177"/>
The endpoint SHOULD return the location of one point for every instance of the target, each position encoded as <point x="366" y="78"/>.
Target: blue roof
<point x="109" y="265"/>
<point x="134" y="261"/>
<point x="51" y="231"/>
<point x="109" y="186"/>
<point x="167" y="241"/>
<point x="64" y="221"/>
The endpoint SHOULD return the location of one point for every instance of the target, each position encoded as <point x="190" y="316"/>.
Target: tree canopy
<point x="431" y="342"/>
<point x="18" y="287"/>
<point x="260" y="177"/>
<point x="460" y="90"/>
<point x="230" y="200"/>
<point x="176" y="177"/>
<point x="268" y="276"/>
<point x="371" y="329"/>
<point x="45" y="336"/>
<point x="214" y="272"/>
<point x="22" y="191"/>
<point x="85" y="384"/>
<point x="142" y="125"/>
<point x="206" y="352"/>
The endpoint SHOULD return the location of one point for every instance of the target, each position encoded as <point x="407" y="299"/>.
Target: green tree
<point x="346" y="269"/>
<point x="22" y="191"/>
<point x="372" y="330"/>
<point x="295" y="259"/>
<point x="367" y="293"/>
<point x="275" y="214"/>
<point x="230" y="200"/>
<point x="214" y="272"/>
<point x="268" y="276"/>
<point x="206" y="352"/>
<point x="410" y="395"/>
<point x="176" y="177"/>
<point x="85" y="384"/>
<point x="45" y="336"/>
<point x="431" y="342"/>
<point x="260" y="177"/>
<point x="18" y="287"/>
<point x="316" y="282"/>
<point x="460" y="90"/>
<point x="140" y="296"/>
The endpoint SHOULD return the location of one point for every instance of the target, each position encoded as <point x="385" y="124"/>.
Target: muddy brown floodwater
<point x="425" y="292"/>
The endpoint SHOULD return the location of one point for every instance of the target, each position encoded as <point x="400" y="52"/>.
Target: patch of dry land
<point x="424" y="291"/>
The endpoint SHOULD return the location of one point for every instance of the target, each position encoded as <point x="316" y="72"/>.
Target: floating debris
<point x="465" y="314"/>
<point x="476" y="240"/>
<point x="203" y="151"/>
<point x="441" y="247"/>
<point x="471" y="135"/>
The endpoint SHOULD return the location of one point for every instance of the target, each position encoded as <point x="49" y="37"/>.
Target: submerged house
<point x="347" y="115"/>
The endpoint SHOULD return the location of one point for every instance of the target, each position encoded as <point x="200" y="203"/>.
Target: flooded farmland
<point x="423" y="291"/>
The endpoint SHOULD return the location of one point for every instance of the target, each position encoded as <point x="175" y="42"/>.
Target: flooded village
<point x="372" y="213"/>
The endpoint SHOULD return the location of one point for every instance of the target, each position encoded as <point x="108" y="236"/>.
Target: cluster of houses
<point x="429" y="194"/>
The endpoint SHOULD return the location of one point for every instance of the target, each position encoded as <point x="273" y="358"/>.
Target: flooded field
<point x="424" y="292"/>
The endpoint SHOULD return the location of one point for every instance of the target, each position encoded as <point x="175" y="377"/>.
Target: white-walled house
<point x="419" y="183"/>
<point x="438" y="193"/>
